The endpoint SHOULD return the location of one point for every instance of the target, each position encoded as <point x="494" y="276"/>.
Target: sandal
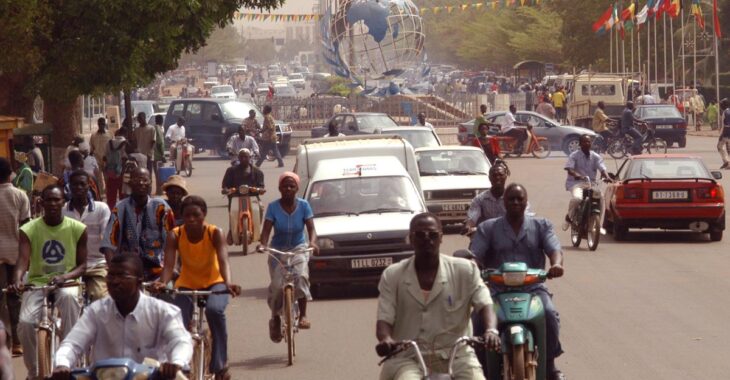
<point x="275" y="329"/>
<point x="304" y="323"/>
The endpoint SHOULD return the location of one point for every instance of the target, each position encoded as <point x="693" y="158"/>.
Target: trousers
<point x="11" y="301"/>
<point x="67" y="304"/>
<point x="265" y="147"/>
<point x="466" y="367"/>
<point x="638" y="140"/>
<point x="215" y="313"/>
<point x="723" y="146"/>
<point x="300" y="267"/>
<point x="95" y="282"/>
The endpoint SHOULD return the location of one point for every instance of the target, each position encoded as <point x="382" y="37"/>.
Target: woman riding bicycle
<point x="204" y="266"/>
<point x="288" y="217"/>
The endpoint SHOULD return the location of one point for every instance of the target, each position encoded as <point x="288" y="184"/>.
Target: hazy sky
<point x="293" y="7"/>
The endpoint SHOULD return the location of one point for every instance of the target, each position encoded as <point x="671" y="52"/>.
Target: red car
<point x="668" y="191"/>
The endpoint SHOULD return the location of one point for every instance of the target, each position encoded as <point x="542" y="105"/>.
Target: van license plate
<point x="454" y="207"/>
<point x="376" y="262"/>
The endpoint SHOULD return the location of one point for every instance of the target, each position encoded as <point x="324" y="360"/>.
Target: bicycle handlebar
<point x="32" y="287"/>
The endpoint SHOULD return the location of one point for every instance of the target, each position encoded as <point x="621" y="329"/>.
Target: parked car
<point x="667" y="191"/>
<point x="223" y="92"/>
<point x="297" y="80"/>
<point x="561" y="137"/>
<point x="418" y="137"/>
<point x="357" y="123"/>
<point x="210" y="122"/>
<point x="241" y="69"/>
<point x="451" y="176"/>
<point x="283" y="90"/>
<point x="666" y="120"/>
<point x="149" y="107"/>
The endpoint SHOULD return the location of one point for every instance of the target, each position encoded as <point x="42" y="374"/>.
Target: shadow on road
<point x="257" y="293"/>
<point x="655" y="237"/>
<point x="262" y="362"/>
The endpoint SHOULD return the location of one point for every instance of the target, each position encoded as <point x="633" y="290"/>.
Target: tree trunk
<point x="65" y="118"/>
<point x="12" y="101"/>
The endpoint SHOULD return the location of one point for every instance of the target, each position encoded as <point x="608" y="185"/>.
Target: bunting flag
<point x="600" y="25"/>
<point x="697" y="11"/>
<point x="276" y="17"/>
<point x="493" y="4"/>
<point x="716" y="20"/>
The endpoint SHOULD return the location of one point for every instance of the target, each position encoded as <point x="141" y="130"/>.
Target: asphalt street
<point x="650" y="307"/>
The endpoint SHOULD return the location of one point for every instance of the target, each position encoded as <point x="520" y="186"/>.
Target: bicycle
<point x="588" y="223"/>
<point x="47" y="340"/>
<point x="427" y="375"/>
<point x="290" y="322"/>
<point x="621" y="148"/>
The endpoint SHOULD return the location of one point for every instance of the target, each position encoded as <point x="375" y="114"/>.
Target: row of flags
<point x="627" y="18"/>
<point x="494" y="4"/>
<point x="276" y="17"/>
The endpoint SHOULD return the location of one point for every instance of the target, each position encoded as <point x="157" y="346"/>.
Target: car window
<point x="193" y="111"/>
<point x="497" y="120"/>
<point x="211" y="112"/>
<point x="368" y="123"/>
<point x="660" y="112"/>
<point x="620" y="173"/>
<point x="663" y="168"/>
<point x="599" y="89"/>
<point x="177" y="110"/>
<point x="350" y="124"/>
<point x="363" y="194"/>
<point x="535" y="121"/>
<point x="418" y="139"/>
<point x="452" y="162"/>
<point x="338" y="120"/>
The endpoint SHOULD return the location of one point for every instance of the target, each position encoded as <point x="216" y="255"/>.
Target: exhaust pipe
<point x="699" y="226"/>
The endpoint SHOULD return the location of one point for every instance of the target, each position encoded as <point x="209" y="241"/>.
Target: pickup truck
<point x="588" y="90"/>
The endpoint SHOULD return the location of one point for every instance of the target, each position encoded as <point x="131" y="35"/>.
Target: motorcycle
<point x="539" y="147"/>
<point x="121" y="369"/>
<point x="521" y="325"/>
<point x="245" y="215"/>
<point x="588" y="223"/>
<point x="184" y="156"/>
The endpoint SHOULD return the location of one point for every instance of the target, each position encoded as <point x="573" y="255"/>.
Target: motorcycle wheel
<point x="542" y="150"/>
<point x="657" y="146"/>
<point x="616" y="149"/>
<point x="518" y="362"/>
<point x="188" y="166"/>
<point x="244" y="236"/>
<point x="44" y="353"/>
<point x="594" y="231"/>
<point x="575" y="237"/>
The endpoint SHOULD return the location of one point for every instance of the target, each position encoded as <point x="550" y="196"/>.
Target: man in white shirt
<point x="509" y="128"/>
<point x="241" y="140"/>
<point x="129" y="324"/>
<point x="422" y="121"/>
<point x="174" y="133"/>
<point x="95" y="216"/>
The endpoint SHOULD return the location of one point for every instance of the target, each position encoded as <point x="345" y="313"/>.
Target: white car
<point x="451" y="176"/>
<point x="223" y="92"/>
<point x="283" y="90"/>
<point x="241" y="69"/>
<point x="297" y="80"/>
<point x="418" y="137"/>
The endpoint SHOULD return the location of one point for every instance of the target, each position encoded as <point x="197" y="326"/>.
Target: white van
<point x="363" y="199"/>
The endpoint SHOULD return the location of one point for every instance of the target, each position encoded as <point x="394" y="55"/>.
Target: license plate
<point x="376" y="262"/>
<point x="454" y="207"/>
<point x="669" y="195"/>
<point x="664" y="126"/>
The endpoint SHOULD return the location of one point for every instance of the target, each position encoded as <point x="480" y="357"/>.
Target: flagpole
<point x="671" y="41"/>
<point x="694" y="53"/>
<point x="717" y="73"/>
<point x="632" y="48"/>
<point x="656" y="54"/>
<point x="623" y="52"/>
<point x="648" y="54"/>
<point x="610" y="51"/>
<point x="684" y="69"/>
<point x="638" y="50"/>
<point x="664" y="34"/>
<point x="618" y="51"/>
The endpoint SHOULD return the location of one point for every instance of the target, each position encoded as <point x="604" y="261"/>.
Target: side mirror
<point x="716" y="175"/>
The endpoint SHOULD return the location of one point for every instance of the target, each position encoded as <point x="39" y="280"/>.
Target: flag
<point x="600" y="25"/>
<point x="663" y="7"/>
<point x="628" y="13"/>
<point x="643" y="15"/>
<point x="716" y="20"/>
<point x="655" y="7"/>
<point x="675" y="7"/>
<point x="697" y="11"/>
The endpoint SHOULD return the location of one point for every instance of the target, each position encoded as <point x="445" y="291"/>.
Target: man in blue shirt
<point x="582" y="166"/>
<point x="517" y="237"/>
<point x="627" y="127"/>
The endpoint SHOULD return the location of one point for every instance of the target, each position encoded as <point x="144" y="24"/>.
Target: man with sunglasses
<point x="128" y="324"/>
<point x="426" y="295"/>
<point x="517" y="237"/>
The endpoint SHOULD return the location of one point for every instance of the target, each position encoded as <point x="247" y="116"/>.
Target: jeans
<point x="638" y="140"/>
<point x="215" y="313"/>
<point x="269" y="146"/>
<point x="12" y="301"/>
<point x="67" y="303"/>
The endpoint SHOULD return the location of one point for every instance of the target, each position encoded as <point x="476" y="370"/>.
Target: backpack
<point x="114" y="158"/>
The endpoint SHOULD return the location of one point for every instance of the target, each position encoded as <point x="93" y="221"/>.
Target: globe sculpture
<point x="372" y="39"/>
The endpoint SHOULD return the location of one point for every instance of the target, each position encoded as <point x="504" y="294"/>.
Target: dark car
<point x="666" y="120"/>
<point x="356" y="123"/>
<point x="210" y="122"/>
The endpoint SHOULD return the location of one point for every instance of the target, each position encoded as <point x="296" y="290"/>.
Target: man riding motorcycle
<point x="582" y="164"/>
<point x="242" y="140"/>
<point x="517" y="237"/>
<point x="509" y="128"/>
<point x="242" y="174"/>
<point x="175" y="133"/>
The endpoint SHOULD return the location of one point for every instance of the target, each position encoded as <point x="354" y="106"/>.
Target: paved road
<point x="651" y="307"/>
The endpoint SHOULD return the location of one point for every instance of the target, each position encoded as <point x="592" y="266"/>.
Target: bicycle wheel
<point x="594" y="231"/>
<point x="43" y="350"/>
<point x="542" y="150"/>
<point x="575" y="236"/>
<point x="616" y="149"/>
<point x="656" y="145"/>
<point x="289" y="322"/>
<point x="199" y="367"/>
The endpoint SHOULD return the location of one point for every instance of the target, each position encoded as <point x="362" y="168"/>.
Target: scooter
<point x="121" y="369"/>
<point x="245" y="216"/>
<point x="184" y="156"/>
<point x="521" y="324"/>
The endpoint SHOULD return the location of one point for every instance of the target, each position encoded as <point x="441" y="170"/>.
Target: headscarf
<point x="291" y="175"/>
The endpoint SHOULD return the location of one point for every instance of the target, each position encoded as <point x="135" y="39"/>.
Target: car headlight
<point x="111" y="373"/>
<point x="325" y="243"/>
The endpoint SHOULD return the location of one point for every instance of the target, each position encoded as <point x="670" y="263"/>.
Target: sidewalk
<point x="704" y="131"/>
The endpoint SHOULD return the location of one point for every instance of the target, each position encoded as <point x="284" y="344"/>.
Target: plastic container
<point x="165" y="173"/>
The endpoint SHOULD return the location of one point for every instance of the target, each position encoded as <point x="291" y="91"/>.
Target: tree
<point x="88" y="47"/>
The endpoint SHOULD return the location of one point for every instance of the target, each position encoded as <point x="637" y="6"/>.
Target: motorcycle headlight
<point x="325" y="243"/>
<point x="111" y="373"/>
<point x="514" y="278"/>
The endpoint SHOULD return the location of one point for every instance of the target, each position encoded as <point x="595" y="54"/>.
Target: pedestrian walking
<point x="144" y="137"/>
<point x="697" y="106"/>
<point x="114" y="164"/>
<point x="723" y="144"/>
<point x="159" y="152"/>
<point x="269" y="138"/>
<point x="99" y="142"/>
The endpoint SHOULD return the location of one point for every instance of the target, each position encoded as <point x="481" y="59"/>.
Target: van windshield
<point x="364" y="195"/>
<point x="239" y="110"/>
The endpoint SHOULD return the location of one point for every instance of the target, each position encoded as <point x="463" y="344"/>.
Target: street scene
<point x="359" y="189"/>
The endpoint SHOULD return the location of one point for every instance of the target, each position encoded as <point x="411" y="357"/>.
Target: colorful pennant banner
<point x="276" y="17"/>
<point x="494" y="4"/>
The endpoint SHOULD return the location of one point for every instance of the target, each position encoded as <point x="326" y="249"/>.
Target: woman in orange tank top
<point x="204" y="266"/>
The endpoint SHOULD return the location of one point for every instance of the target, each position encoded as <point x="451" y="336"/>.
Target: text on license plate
<point x="664" y="126"/>
<point x="376" y="262"/>
<point x="454" y="207"/>
<point x="666" y="195"/>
